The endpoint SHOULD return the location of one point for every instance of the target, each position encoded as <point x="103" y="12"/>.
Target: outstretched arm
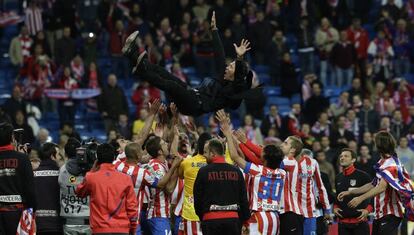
<point x="226" y="129"/>
<point x="219" y="56"/>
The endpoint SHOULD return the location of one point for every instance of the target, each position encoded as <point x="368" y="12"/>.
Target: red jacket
<point x="113" y="201"/>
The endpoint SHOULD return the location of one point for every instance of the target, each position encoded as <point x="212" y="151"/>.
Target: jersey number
<point x="270" y="188"/>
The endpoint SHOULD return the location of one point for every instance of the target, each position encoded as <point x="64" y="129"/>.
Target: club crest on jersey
<point x="352" y="182"/>
<point x="72" y="179"/>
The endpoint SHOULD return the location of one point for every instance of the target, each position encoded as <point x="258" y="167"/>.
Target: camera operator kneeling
<point x="74" y="210"/>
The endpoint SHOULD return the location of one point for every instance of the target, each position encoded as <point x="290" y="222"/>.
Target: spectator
<point x="306" y="48"/>
<point x="316" y="104"/>
<point x="260" y="36"/>
<point x="275" y="52"/>
<point x="87" y="11"/>
<point x="200" y="10"/>
<point x="68" y="129"/>
<point x="352" y="123"/>
<point x="252" y="132"/>
<point x="33" y="18"/>
<point x="289" y="84"/>
<point x="325" y="38"/>
<point x="308" y="138"/>
<point x="308" y="79"/>
<point x="123" y="126"/>
<point x="340" y="136"/>
<point x="228" y="44"/>
<point x="403" y="98"/>
<point x="356" y="103"/>
<point x="47" y="190"/>
<point x="42" y="138"/>
<point x="406" y="155"/>
<point x="360" y="39"/>
<point x="255" y="103"/>
<point x="325" y="166"/>
<point x="272" y="120"/>
<point x="20" y="47"/>
<point x="343" y="57"/>
<point x="411" y="115"/>
<point x="385" y="124"/>
<point x="401" y="43"/>
<point x="117" y="37"/>
<point x="65" y="48"/>
<point x="294" y="122"/>
<point x="140" y="121"/>
<point x="330" y="153"/>
<point x="67" y="107"/>
<point x="42" y="40"/>
<point x="204" y="53"/>
<point x="368" y="117"/>
<point x="222" y="14"/>
<point x="237" y="28"/>
<point x="112" y="196"/>
<point x="77" y="68"/>
<point x="183" y="42"/>
<point x="4" y="117"/>
<point x="398" y="128"/>
<point x="322" y="126"/>
<point x="393" y="10"/>
<point x="89" y="50"/>
<point x="144" y="94"/>
<point x="381" y="52"/>
<point x="15" y="103"/>
<point x="385" y="105"/>
<point x="341" y="106"/>
<point x="20" y="184"/>
<point x="365" y="161"/>
<point x="20" y="122"/>
<point x="356" y="89"/>
<point x="112" y="103"/>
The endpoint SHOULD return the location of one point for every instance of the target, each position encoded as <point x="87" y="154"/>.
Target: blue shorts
<point x="309" y="226"/>
<point x="138" y="231"/>
<point x="177" y="222"/>
<point x="159" y="226"/>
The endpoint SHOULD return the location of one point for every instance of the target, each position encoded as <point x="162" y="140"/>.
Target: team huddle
<point x="232" y="186"/>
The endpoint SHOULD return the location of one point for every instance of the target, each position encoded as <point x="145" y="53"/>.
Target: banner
<point x="79" y="94"/>
<point x="10" y="18"/>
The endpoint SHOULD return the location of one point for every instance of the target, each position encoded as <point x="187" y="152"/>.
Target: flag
<point x="27" y="224"/>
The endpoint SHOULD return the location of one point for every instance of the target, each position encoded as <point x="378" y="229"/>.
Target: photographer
<point x="16" y="182"/>
<point x="47" y="190"/>
<point x="73" y="209"/>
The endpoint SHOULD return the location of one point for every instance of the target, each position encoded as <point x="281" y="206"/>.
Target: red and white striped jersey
<point x="33" y="20"/>
<point x="264" y="186"/>
<point x="309" y="179"/>
<point x="289" y="201"/>
<point x="159" y="204"/>
<point x="141" y="178"/>
<point x="177" y="197"/>
<point x="388" y="202"/>
<point x="265" y="223"/>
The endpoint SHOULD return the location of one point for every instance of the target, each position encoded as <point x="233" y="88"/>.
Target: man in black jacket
<point x="16" y="182"/>
<point x="220" y="197"/>
<point x="213" y="94"/>
<point x="47" y="190"/>
<point x="351" y="221"/>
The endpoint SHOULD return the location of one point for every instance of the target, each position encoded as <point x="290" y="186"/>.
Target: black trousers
<point x="9" y="221"/>
<point x="387" y="225"/>
<point x="186" y="98"/>
<point x="291" y="224"/>
<point x="353" y="229"/>
<point x="221" y="226"/>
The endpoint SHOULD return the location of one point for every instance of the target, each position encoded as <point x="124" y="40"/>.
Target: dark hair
<point x="71" y="146"/>
<point x="273" y="156"/>
<point x="204" y="137"/>
<point x="216" y="146"/>
<point x="297" y="144"/>
<point x="6" y="133"/>
<point x="47" y="150"/>
<point x="385" y="143"/>
<point x="353" y="153"/>
<point x="105" y="153"/>
<point x="153" y="146"/>
<point x="144" y="145"/>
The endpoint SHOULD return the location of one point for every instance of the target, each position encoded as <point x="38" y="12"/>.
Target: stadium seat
<point x="261" y="69"/>
<point x="272" y="91"/>
<point x="264" y="78"/>
<point x="295" y="99"/>
<point x="279" y="101"/>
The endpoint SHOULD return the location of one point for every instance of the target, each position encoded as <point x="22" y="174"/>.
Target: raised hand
<point x="154" y="106"/>
<point x="241" y="136"/>
<point x="213" y="21"/>
<point x="243" y="48"/>
<point x="224" y="122"/>
<point x="174" y="110"/>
